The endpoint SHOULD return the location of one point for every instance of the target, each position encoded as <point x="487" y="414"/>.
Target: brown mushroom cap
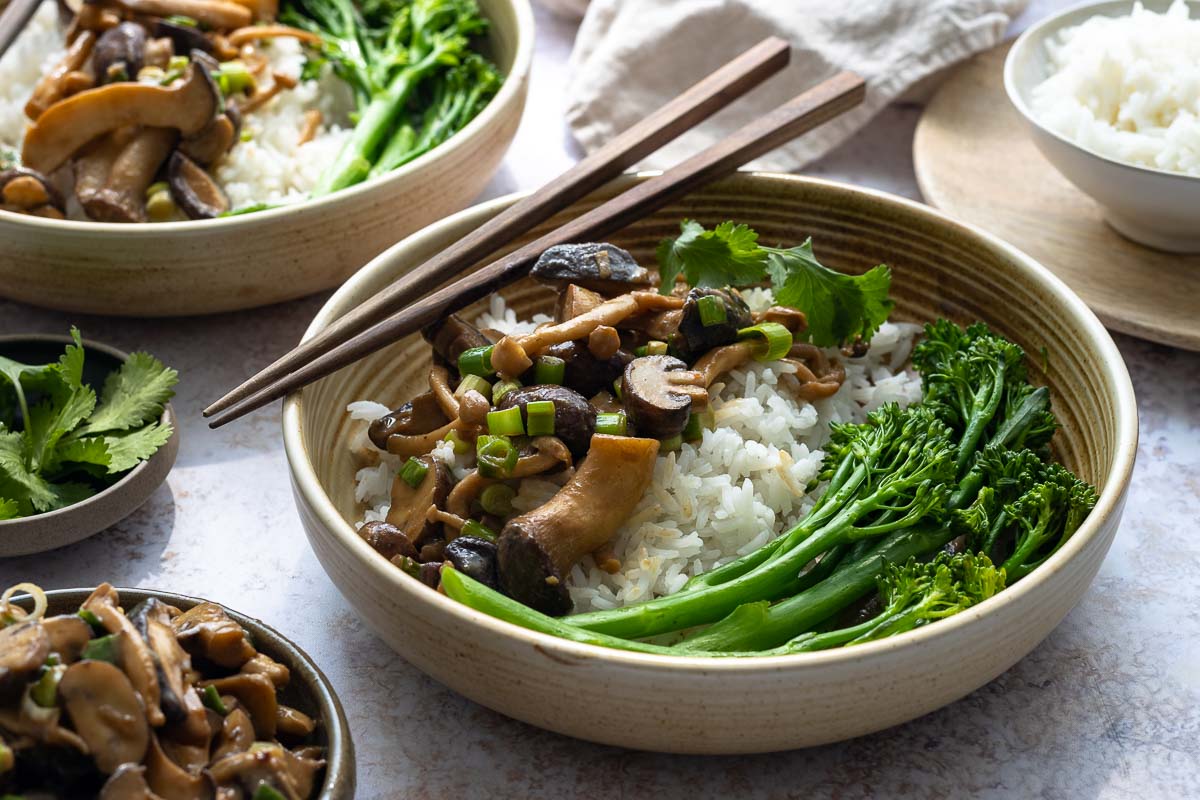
<point x="122" y="198"/>
<point x="657" y="406"/>
<point x="171" y="781"/>
<point x="410" y="507"/>
<point x="68" y="635"/>
<point x="68" y="125"/>
<point x="537" y="549"/>
<point x="28" y="191"/>
<point x="418" y="416"/>
<point x="693" y="338"/>
<point x="215" y="140"/>
<point x="451" y="336"/>
<point x="205" y="630"/>
<point x="106" y="712"/>
<point x="119" y="53"/>
<point x="257" y="694"/>
<point x="193" y="189"/>
<point x="574" y="417"/>
<point x="387" y="540"/>
<point x="598" y="266"/>
<point x="23" y="650"/>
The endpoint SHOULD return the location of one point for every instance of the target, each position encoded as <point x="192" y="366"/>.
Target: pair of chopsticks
<point x="411" y="302"/>
<point x="13" y="19"/>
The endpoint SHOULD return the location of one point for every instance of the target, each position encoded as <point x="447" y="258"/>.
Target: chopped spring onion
<point x="778" y="340"/>
<point x="617" y="389"/>
<point x="539" y="418"/>
<point x="476" y="361"/>
<point x="177" y="63"/>
<point x="670" y="443"/>
<point x="712" y="311"/>
<point x="413" y="472"/>
<point x="45" y="691"/>
<point x="104" y="648"/>
<point x="502" y="388"/>
<point x="656" y="348"/>
<point x="409" y="565"/>
<point x="179" y="19"/>
<point x="266" y="791"/>
<point x="549" y="369"/>
<point x="473" y="383"/>
<point x="496" y="455"/>
<point x="233" y="77"/>
<point x="696" y="425"/>
<point x="91" y="619"/>
<point x="460" y="446"/>
<point x="611" y="424"/>
<point x="497" y="499"/>
<point x="478" y="529"/>
<point x="158" y="186"/>
<point x="211" y="698"/>
<point x="506" y="422"/>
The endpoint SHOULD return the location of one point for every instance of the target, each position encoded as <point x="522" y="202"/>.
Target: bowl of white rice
<point x="1111" y="95"/>
<point x="295" y="247"/>
<point x="729" y="492"/>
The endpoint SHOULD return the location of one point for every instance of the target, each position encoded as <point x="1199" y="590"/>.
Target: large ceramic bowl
<point x="37" y="534"/>
<point x="204" y="266"/>
<point x="308" y="691"/>
<point x="940" y="268"/>
<point x="1153" y="207"/>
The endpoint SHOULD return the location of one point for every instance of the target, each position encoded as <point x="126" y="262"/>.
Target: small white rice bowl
<point x="1127" y="88"/>
<point x="713" y="500"/>
<point x="269" y="166"/>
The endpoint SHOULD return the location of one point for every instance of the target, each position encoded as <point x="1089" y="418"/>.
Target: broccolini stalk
<point x="915" y="594"/>
<point x="896" y="465"/>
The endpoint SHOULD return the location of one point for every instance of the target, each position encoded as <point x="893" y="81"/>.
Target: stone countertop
<point x="1107" y="707"/>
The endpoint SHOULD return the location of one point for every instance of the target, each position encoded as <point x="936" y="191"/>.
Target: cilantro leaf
<point x="133" y="395"/>
<point x="88" y="450"/>
<point x="8" y="509"/>
<point x="128" y="449"/>
<point x="30" y="490"/>
<point x="839" y="307"/>
<point x="728" y="255"/>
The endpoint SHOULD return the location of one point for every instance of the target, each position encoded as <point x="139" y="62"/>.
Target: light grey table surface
<point x="1108" y="706"/>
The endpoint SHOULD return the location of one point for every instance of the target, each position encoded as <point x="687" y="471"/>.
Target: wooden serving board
<point x="975" y="161"/>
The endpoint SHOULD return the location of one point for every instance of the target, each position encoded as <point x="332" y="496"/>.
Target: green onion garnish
<point x="233" y="77"/>
<point x="476" y="361"/>
<point x="177" y="63"/>
<point x="211" y="698"/>
<point x="155" y="188"/>
<point x="179" y="19"/>
<point x="473" y="383"/>
<point x="696" y="425"/>
<point x="90" y="618"/>
<point x="549" y="369"/>
<point x="617" y="389"/>
<point x="641" y="351"/>
<point x="44" y="692"/>
<point x="104" y="648"/>
<point x="670" y="443"/>
<point x="612" y="424"/>
<point x="266" y="791"/>
<point x="497" y="499"/>
<point x="496" y="456"/>
<point x="656" y="348"/>
<point x="712" y="311"/>
<point x="502" y="388"/>
<point x="478" y="529"/>
<point x="506" y="422"/>
<point x="539" y="418"/>
<point x="460" y="447"/>
<point x="413" y="472"/>
<point x="778" y="340"/>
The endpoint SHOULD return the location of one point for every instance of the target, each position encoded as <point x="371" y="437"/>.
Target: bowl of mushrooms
<point x="137" y="694"/>
<point x="169" y="157"/>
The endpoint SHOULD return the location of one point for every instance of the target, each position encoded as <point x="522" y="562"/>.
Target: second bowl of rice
<point x="1110" y="93"/>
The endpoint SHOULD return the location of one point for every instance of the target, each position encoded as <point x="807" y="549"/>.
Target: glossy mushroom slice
<point x="418" y="416"/>
<point x="291" y="776"/>
<point x="584" y="372"/>
<point x="136" y="659"/>
<point x="23" y="650"/>
<point x="171" y="781"/>
<point x="128" y="782"/>
<point x="58" y="82"/>
<point x="599" y="266"/>
<point x="106" y="712"/>
<point x="27" y="191"/>
<point x="217" y="14"/>
<point x="187" y="105"/>
<point x="67" y="635"/>
<point x="206" y="631"/>
<point x="410" y="505"/>
<point x="256" y="693"/>
<point x="476" y="558"/>
<point x="180" y="704"/>
<point x="215" y="140"/>
<point x="537" y="549"/>
<point x="452" y="336"/>
<point x="119" y="53"/>
<point x="122" y="198"/>
<point x="658" y="392"/>
<point x="193" y="189"/>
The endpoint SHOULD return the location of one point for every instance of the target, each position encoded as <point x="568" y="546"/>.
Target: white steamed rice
<point x="269" y="168"/>
<point x="713" y="500"/>
<point x="1128" y="88"/>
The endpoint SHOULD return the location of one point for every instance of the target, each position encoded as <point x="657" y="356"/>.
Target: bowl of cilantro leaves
<point x="86" y="436"/>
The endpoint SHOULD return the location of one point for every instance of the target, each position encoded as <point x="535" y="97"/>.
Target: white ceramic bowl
<point x="206" y="266"/>
<point x="1153" y="207"/>
<point x="696" y="705"/>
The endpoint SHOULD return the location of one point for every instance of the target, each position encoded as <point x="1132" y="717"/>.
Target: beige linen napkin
<point x="631" y="56"/>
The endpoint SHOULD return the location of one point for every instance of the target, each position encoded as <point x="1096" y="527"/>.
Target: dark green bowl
<point x="308" y="691"/>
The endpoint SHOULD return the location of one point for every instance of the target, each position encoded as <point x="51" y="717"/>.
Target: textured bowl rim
<point x="514" y="83"/>
<point x="1116" y="479"/>
<point x="168" y="417"/>
<point x="1020" y="51"/>
<point x="340" y="764"/>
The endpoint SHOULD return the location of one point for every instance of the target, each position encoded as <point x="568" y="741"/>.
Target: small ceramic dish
<point x="1152" y="207"/>
<point x="28" y="535"/>
<point x="205" y="266"/>
<point x="940" y="268"/>
<point x="308" y="691"/>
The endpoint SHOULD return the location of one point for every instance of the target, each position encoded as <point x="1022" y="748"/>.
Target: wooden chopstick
<point x="685" y="111"/>
<point x="814" y="107"/>
<point x="13" y="19"/>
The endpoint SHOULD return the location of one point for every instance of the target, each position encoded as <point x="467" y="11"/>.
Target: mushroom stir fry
<point x="588" y="401"/>
<point x="156" y="703"/>
<point x="149" y="96"/>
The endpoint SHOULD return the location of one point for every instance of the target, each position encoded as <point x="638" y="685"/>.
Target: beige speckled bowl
<point x="37" y="534"/>
<point x="941" y="268"/>
<point x="205" y="266"/>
